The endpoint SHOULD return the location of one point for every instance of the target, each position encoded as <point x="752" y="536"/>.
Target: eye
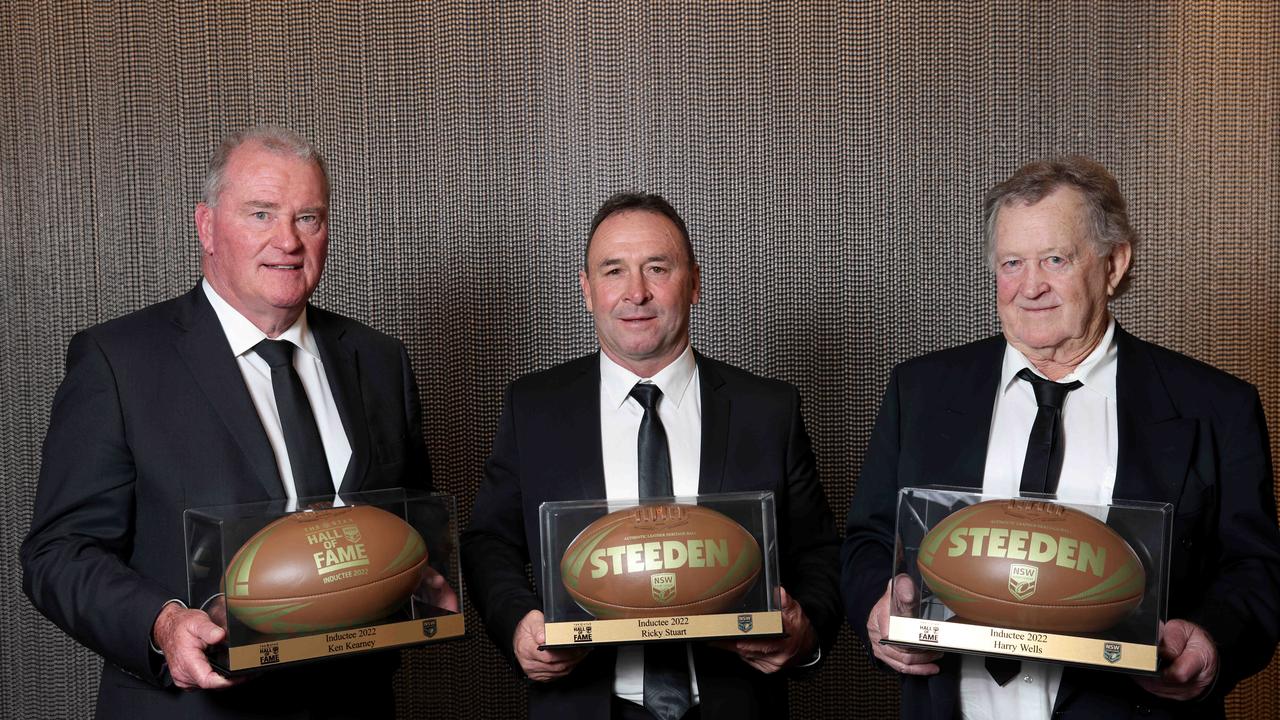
<point x="262" y="215"/>
<point x="1010" y="265"/>
<point x="658" y="269"/>
<point x="1055" y="261"/>
<point x="309" y="220"/>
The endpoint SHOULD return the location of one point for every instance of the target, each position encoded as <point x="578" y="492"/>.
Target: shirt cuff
<point x="813" y="660"/>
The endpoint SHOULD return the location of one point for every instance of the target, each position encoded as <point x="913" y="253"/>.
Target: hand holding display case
<point x="372" y="570"/>
<point x="665" y="569"/>
<point x="1031" y="577"/>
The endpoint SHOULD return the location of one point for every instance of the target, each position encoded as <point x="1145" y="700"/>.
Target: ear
<point x="1117" y="265"/>
<point x="586" y="288"/>
<point x="697" y="285"/>
<point x="204" y="227"/>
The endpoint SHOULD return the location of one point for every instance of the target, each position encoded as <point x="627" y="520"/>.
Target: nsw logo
<point x="1022" y="581"/>
<point x="1111" y="652"/>
<point x="663" y="586"/>
<point x="745" y="623"/>
<point x="429" y="628"/>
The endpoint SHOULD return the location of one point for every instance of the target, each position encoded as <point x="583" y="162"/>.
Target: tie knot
<point x="1048" y="393"/>
<point x="277" y="353"/>
<point x="646" y="394"/>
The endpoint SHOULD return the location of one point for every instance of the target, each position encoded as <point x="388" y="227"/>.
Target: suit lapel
<point x="203" y="346"/>
<point x="715" y="427"/>
<point x="579" y="423"/>
<point x="342" y="368"/>
<point x="1154" y="442"/>
<point x="963" y="423"/>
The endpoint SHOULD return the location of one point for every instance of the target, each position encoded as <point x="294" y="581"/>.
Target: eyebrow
<point x="609" y="262"/>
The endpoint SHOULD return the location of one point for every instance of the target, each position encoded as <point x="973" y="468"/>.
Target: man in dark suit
<point x="572" y="432"/>
<point x="177" y="406"/>
<point x="1139" y="422"/>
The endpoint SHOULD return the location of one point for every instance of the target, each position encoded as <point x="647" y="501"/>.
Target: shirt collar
<point x="673" y="380"/>
<point x="1097" y="372"/>
<point x="243" y="335"/>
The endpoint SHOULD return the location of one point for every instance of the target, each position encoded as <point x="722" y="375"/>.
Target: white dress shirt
<point x="680" y="410"/>
<point x="243" y="335"/>
<point x="1090" y="449"/>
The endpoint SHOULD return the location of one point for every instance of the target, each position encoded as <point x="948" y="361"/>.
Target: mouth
<point x="283" y="267"/>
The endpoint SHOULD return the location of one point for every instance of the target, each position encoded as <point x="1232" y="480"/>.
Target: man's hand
<point x="433" y="588"/>
<point x="542" y="665"/>
<point x="769" y="655"/>
<point x="904" y="660"/>
<point x="1193" y="662"/>
<point x="183" y="634"/>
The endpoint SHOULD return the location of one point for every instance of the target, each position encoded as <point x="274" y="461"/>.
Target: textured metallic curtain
<point x="829" y="158"/>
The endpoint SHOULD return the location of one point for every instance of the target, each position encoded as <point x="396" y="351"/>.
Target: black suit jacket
<point x="153" y="417"/>
<point x="548" y="448"/>
<point x="1189" y="435"/>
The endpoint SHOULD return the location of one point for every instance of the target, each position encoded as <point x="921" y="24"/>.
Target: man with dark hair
<point x="180" y="405"/>
<point x="1138" y="422"/>
<point x="572" y="432"/>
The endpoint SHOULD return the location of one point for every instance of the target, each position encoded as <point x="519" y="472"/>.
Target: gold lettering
<point x="653" y="556"/>
<point x="1091" y="559"/>
<point x="1067" y="552"/>
<point x="717" y="553"/>
<point x="673" y="554"/>
<point x="1043" y="548"/>
<point x="995" y="543"/>
<point x="1017" y="545"/>
<point x="599" y="568"/>
<point x="695" y="554"/>
<point x="978" y="535"/>
<point x="958" y="545"/>
<point x="615" y="554"/>
<point x="635" y="557"/>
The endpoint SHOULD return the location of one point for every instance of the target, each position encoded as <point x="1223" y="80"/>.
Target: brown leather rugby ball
<point x="315" y="571"/>
<point x="1031" y="565"/>
<point x="660" y="560"/>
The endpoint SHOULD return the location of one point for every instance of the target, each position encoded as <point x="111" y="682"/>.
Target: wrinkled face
<point x="639" y="285"/>
<point x="1051" y="287"/>
<point x="266" y="240"/>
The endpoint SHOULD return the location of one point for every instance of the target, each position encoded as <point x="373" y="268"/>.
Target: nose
<point x="286" y="237"/>
<point x="1034" y="283"/>
<point x="637" y="290"/>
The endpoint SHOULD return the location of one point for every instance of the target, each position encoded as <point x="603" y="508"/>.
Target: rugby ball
<point x="318" y="570"/>
<point x="1031" y="565"/>
<point x="660" y="560"/>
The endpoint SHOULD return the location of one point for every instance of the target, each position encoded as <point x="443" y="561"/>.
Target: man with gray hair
<point x="1135" y="422"/>
<point x="238" y="391"/>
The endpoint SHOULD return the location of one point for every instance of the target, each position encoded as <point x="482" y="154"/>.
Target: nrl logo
<point x="429" y="628"/>
<point x="352" y="533"/>
<point x="663" y="586"/>
<point x="1022" y="581"/>
<point x="745" y="623"/>
<point x="1111" y="652"/>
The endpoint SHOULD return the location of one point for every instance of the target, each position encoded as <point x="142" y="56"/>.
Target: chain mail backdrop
<point x="829" y="159"/>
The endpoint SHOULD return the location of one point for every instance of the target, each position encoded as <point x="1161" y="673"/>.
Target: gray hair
<point x="1108" y="217"/>
<point x="276" y="139"/>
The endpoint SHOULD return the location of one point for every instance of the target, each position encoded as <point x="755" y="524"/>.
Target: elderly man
<point x="1138" y="422"/>
<point x="237" y="391"/>
<point x="583" y="430"/>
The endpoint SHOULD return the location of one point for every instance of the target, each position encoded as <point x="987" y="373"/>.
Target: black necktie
<point x="654" y="457"/>
<point x="311" y="476"/>
<point x="1043" y="463"/>
<point x="1040" y="470"/>
<point x="666" y="665"/>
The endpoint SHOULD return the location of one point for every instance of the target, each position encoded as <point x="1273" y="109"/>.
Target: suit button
<point x="1188" y="543"/>
<point x="1141" y="710"/>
